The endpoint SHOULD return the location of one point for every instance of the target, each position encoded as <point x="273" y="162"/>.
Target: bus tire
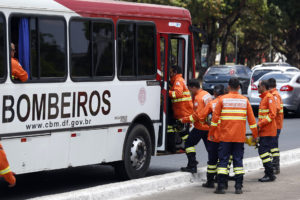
<point x="137" y="154"/>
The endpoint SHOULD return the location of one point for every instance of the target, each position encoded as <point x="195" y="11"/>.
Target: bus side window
<point x="177" y="52"/>
<point x="2" y="48"/>
<point x="136" y="50"/>
<point x="92" y="49"/>
<point x="41" y="43"/>
<point x="126" y="50"/>
<point x="146" y="50"/>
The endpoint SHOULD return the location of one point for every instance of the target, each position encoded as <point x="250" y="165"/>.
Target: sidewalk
<point x="286" y="186"/>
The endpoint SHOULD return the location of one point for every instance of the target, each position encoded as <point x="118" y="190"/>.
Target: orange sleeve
<point x="177" y="91"/>
<point x="10" y="178"/>
<point x="17" y="71"/>
<point x="278" y="103"/>
<point x="272" y="112"/>
<point x="216" y="115"/>
<point x="207" y="110"/>
<point x="251" y="120"/>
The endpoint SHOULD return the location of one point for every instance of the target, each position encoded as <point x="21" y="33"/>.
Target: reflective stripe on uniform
<point x="186" y="93"/>
<point x="5" y="171"/>
<point x="170" y="129"/>
<point x="185" y="137"/>
<point x="212" y="171"/>
<point x="253" y="126"/>
<point x="190" y="150"/>
<point x="275" y="154"/>
<point x="264" y="110"/>
<point x="239" y="171"/>
<point x="281" y="111"/>
<point x="274" y="149"/>
<point x="264" y="155"/>
<point x="233" y="118"/>
<point x="192" y="119"/>
<point x="268" y="118"/>
<point x="222" y="170"/>
<point x="213" y="124"/>
<point x="212" y="166"/>
<point x="174" y="94"/>
<point x="234" y="111"/>
<point x="266" y="160"/>
<point x="181" y="99"/>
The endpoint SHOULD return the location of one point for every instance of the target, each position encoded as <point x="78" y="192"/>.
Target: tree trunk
<point x="197" y="47"/>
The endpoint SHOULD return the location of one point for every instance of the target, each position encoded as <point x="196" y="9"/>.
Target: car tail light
<point x="232" y="72"/>
<point x="253" y="87"/>
<point x="286" y="88"/>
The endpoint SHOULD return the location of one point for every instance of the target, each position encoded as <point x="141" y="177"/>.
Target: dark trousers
<point x="194" y="138"/>
<point x="275" y="153"/>
<point x="265" y="146"/>
<point x="212" y="149"/>
<point x="237" y="151"/>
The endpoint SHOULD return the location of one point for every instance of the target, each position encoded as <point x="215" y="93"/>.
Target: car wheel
<point x="137" y="154"/>
<point x="298" y="111"/>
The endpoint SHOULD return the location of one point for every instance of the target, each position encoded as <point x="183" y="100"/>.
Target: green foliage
<point x="254" y="21"/>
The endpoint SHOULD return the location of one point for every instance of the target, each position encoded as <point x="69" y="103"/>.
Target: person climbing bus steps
<point x="181" y="99"/>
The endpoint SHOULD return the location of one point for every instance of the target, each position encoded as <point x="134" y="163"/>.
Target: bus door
<point x="173" y="51"/>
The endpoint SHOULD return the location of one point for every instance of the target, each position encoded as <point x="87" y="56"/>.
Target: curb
<point x="159" y="183"/>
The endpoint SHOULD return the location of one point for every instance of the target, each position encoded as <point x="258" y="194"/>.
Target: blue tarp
<point x="24" y="45"/>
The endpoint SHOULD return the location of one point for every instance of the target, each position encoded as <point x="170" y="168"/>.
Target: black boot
<point x="221" y="184"/>
<point x="269" y="174"/>
<point x="192" y="163"/>
<point x="239" y="183"/>
<point x="210" y="183"/>
<point x="276" y="165"/>
<point x="267" y="178"/>
<point x="226" y="182"/>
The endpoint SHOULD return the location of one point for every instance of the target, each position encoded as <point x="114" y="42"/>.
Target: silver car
<point x="288" y="85"/>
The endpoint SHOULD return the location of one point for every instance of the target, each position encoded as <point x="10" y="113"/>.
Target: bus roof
<point x="102" y="7"/>
<point x="121" y="8"/>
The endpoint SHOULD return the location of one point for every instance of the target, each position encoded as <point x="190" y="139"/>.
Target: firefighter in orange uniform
<point x="267" y="129"/>
<point x="181" y="99"/>
<point x="279" y="122"/>
<point x="233" y="109"/>
<point x="5" y="171"/>
<point x="200" y="131"/>
<point x="212" y="139"/>
<point x="17" y="71"/>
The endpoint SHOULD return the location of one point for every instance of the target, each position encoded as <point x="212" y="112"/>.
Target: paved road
<point x="44" y="183"/>
<point x="285" y="187"/>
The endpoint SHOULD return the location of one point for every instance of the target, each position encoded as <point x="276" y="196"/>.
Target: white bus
<point x="96" y="92"/>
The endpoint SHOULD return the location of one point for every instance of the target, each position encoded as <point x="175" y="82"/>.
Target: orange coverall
<point x="279" y="104"/>
<point x="17" y="71"/>
<point x="266" y="115"/>
<point x="5" y="171"/>
<point x="233" y="109"/>
<point x="181" y="98"/>
<point x="200" y="100"/>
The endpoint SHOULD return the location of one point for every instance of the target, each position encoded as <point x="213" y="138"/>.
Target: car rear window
<point x="280" y="78"/>
<point x="259" y="73"/>
<point x="292" y="70"/>
<point x="220" y="70"/>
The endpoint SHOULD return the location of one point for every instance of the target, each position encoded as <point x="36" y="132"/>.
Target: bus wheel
<point x="137" y="154"/>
